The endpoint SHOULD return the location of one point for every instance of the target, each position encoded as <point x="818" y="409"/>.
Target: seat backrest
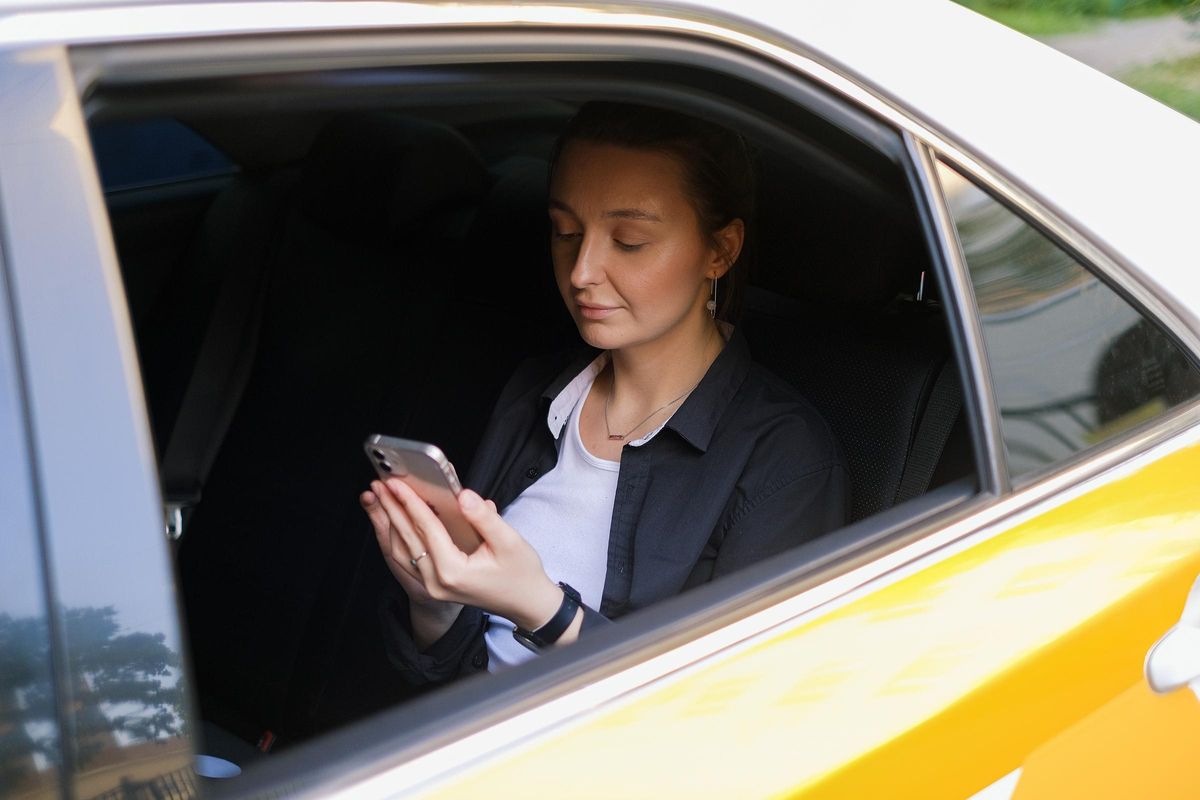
<point x="381" y="205"/>
<point x="505" y="308"/>
<point x="870" y="376"/>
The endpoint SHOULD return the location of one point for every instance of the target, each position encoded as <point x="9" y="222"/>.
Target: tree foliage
<point x="122" y="683"/>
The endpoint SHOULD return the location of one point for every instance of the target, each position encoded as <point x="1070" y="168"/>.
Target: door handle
<point x="1174" y="660"/>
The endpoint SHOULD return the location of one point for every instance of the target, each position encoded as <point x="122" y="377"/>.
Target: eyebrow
<point x="619" y="213"/>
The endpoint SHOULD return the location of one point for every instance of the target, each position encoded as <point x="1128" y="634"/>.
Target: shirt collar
<point x="569" y="388"/>
<point x="694" y="421"/>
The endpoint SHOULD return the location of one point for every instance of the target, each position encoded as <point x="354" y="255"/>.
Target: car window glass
<point x="147" y="152"/>
<point x="29" y="743"/>
<point x="1073" y="364"/>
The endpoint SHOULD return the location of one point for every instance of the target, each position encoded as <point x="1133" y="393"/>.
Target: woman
<point x="663" y="461"/>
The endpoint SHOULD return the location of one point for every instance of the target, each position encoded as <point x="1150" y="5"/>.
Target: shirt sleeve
<point x="460" y="651"/>
<point x="782" y="516"/>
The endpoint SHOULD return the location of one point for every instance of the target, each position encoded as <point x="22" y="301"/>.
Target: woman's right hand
<point x="430" y="618"/>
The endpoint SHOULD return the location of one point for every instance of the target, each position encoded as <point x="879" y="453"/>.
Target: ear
<point x="729" y="247"/>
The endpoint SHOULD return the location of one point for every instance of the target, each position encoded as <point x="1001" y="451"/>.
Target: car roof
<point x="1119" y="166"/>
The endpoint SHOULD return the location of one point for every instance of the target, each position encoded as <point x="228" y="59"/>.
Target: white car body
<point x="1110" y="172"/>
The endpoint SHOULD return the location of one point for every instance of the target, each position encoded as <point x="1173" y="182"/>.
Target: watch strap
<point x="553" y="630"/>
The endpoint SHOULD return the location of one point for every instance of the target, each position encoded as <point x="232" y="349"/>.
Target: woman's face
<point x="630" y="258"/>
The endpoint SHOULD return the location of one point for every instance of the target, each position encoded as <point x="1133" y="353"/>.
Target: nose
<point x="588" y="269"/>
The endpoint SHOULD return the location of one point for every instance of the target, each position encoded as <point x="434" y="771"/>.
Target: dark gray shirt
<point x="743" y="470"/>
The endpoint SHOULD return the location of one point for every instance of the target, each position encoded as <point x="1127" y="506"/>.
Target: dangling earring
<point x="711" y="305"/>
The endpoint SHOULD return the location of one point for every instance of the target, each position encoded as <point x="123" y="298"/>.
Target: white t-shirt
<point x="566" y="515"/>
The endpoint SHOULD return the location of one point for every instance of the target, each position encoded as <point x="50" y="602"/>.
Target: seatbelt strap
<point x="218" y="381"/>
<point x="945" y="401"/>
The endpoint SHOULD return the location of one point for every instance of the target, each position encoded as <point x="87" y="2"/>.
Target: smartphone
<point x="427" y="471"/>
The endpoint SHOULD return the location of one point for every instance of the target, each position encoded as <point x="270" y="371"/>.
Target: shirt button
<point x="532" y="473"/>
<point x="477" y="661"/>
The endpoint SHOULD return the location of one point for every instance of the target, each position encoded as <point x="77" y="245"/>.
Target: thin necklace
<point x="612" y="386"/>
<point x="620" y="437"/>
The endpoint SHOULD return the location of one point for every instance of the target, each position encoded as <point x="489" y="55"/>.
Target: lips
<point x="589" y="311"/>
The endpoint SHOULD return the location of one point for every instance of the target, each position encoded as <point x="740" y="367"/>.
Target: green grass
<point x="1035" y="21"/>
<point x="1174" y="83"/>
<point x="1054" y="17"/>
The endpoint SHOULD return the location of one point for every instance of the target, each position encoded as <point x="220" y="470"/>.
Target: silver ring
<point x="414" y="561"/>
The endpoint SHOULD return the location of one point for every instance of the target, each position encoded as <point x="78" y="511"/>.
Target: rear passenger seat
<point x="406" y="285"/>
<point x="361" y="282"/>
<point x="872" y="376"/>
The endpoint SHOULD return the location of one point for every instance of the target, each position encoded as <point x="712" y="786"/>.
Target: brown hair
<point x="717" y="168"/>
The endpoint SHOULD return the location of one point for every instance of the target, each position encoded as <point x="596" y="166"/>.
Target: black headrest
<point x="381" y="176"/>
<point x="826" y="246"/>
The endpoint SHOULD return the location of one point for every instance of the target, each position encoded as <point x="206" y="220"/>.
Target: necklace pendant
<point x="616" y="437"/>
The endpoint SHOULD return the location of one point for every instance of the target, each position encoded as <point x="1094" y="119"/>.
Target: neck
<point x="649" y="374"/>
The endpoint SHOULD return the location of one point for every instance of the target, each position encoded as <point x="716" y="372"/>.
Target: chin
<point x="601" y="336"/>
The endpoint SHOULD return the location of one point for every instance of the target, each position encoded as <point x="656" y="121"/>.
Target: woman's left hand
<point x="503" y="576"/>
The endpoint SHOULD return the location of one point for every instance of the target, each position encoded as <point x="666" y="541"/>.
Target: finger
<point x="390" y="542"/>
<point x="406" y="543"/>
<point x="484" y="518"/>
<point x="434" y="536"/>
<point x="375" y="513"/>
<point x="386" y="536"/>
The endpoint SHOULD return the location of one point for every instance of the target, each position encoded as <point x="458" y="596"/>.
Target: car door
<point x="938" y="664"/>
<point x="998" y="655"/>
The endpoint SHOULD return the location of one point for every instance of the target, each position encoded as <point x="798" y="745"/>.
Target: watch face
<point x="526" y="641"/>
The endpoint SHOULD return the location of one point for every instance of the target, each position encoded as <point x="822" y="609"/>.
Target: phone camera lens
<point x="378" y="454"/>
<point x="385" y="466"/>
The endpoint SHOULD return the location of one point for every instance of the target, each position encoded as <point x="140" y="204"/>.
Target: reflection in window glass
<point x="154" y="151"/>
<point x="29" y="743"/>
<point x="1072" y="363"/>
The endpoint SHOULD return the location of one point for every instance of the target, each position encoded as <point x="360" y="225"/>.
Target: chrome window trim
<point x="961" y="308"/>
<point x="1172" y="432"/>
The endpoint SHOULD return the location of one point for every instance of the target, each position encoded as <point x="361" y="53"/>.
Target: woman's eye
<point x="627" y="246"/>
<point x="565" y="236"/>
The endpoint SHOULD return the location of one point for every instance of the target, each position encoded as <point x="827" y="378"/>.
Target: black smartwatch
<point x="553" y="630"/>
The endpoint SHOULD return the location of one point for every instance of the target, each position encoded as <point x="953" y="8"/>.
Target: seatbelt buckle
<point x="173" y="521"/>
<point x="175" y="515"/>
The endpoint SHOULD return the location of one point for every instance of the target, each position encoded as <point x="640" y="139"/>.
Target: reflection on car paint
<point x="29" y="743"/>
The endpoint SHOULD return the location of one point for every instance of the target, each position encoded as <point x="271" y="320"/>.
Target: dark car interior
<point x="312" y="259"/>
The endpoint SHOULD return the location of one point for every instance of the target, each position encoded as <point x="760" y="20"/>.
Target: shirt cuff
<point x="460" y="650"/>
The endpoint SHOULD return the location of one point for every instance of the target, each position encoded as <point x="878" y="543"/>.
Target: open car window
<point x="401" y="221"/>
